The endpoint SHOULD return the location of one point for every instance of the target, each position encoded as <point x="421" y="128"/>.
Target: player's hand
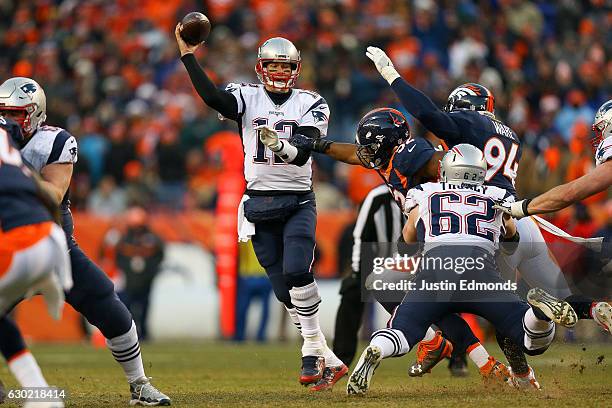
<point x="516" y="209"/>
<point x="383" y="64"/>
<point x="269" y="137"/>
<point x="184" y="48"/>
<point x="304" y="142"/>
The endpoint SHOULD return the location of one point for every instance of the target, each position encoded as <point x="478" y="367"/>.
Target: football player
<point x="384" y="143"/>
<point x="591" y="183"/>
<point x="33" y="251"/>
<point x="278" y="210"/>
<point x="52" y="152"/>
<point x="442" y="215"/>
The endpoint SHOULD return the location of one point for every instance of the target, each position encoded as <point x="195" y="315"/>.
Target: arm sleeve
<point x="303" y="155"/>
<point x="222" y="101"/>
<point x="423" y="108"/>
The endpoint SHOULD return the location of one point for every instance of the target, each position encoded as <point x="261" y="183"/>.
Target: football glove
<point x="516" y="209"/>
<point x="383" y="64"/>
<point x="310" y="144"/>
<point x="269" y="137"/>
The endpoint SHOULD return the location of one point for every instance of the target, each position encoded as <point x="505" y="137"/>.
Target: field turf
<point x="249" y="375"/>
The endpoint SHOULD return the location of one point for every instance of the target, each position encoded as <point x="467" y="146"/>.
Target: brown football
<point x="195" y="28"/>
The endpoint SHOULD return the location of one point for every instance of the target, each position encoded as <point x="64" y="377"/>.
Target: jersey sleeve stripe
<point x="321" y="101"/>
<point x="58" y="146"/>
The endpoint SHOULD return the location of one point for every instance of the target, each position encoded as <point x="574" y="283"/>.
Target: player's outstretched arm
<point x="344" y="152"/>
<point x="416" y="102"/>
<point x="564" y="195"/>
<point x="221" y="101"/>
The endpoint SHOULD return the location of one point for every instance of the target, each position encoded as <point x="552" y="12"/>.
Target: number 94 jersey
<point x="263" y="170"/>
<point x="457" y="214"/>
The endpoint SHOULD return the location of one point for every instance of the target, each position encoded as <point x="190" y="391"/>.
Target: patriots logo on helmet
<point x="319" y="116"/>
<point x="28" y="88"/>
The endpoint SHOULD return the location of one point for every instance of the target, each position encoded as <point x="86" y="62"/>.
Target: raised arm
<point x="416" y="102"/>
<point x="221" y="101"/>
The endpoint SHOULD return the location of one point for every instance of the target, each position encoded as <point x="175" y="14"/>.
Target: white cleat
<point x="602" y="314"/>
<point x="359" y="380"/>
<point x="145" y="394"/>
<point x="526" y="382"/>
<point x="559" y="311"/>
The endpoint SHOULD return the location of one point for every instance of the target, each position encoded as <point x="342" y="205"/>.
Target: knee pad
<point x="298" y="255"/>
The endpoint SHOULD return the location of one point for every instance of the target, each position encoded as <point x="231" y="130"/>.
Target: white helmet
<point x="24" y="94"/>
<point x="602" y="124"/>
<point x="463" y="163"/>
<point x="278" y="49"/>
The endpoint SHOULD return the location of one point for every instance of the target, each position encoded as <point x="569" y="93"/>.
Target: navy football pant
<point x="285" y="249"/>
<point x="92" y="295"/>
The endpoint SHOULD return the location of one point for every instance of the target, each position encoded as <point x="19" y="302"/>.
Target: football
<point x="195" y="28"/>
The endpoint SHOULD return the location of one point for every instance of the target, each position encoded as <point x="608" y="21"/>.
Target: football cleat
<point x="559" y="311"/>
<point x="602" y="314"/>
<point x="429" y="353"/>
<point x="526" y="381"/>
<point x="495" y="372"/>
<point x="312" y="369"/>
<point x="144" y="393"/>
<point x="331" y="375"/>
<point x="359" y="380"/>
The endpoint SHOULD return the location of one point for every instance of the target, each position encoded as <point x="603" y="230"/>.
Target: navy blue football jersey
<point x="500" y="145"/>
<point x="407" y="160"/>
<point x="19" y="202"/>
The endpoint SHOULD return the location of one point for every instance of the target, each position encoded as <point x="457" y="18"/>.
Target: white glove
<point x="516" y="209"/>
<point x="383" y="64"/>
<point x="269" y="137"/>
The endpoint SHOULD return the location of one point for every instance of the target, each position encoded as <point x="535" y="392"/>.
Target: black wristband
<point x="321" y="145"/>
<point x="526" y="205"/>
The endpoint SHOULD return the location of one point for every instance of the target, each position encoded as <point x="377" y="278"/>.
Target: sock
<point x="331" y="360"/>
<point x="306" y="300"/>
<point x="26" y="370"/>
<point x="392" y="342"/>
<point x="429" y="334"/>
<point x="538" y="333"/>
<point x="294" y="318"/>
<point x="126" y="350"/>
<point x="478" y="354"/>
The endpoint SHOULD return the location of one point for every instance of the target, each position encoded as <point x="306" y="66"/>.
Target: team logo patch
<point x="28" y="88"/>
<point x="319" y="116"/>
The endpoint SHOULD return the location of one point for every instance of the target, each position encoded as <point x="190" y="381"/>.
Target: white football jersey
<point x="263" y="170"/>
<point x="48" y="145"/>
<point x="457" y="214"/>
<point x="604" y="151"/>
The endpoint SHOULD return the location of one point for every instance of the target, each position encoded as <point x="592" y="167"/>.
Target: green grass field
<point x="233" y="375"/>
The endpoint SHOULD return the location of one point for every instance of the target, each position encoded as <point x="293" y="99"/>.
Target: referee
<point x="380" y="220"/>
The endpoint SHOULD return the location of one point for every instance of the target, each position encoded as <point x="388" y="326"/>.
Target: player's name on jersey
<point x="442" y="286"/>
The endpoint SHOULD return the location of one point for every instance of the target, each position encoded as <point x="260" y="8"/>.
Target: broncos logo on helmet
<point x="379" y="132"/>
<point x="471" y="96"/>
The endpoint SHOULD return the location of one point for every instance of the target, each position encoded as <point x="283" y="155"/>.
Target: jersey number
<point x="497" y="158"/>
<point x="445" y="221"/>
<point x="284" y="126"/>
<point x="8" y="154"/>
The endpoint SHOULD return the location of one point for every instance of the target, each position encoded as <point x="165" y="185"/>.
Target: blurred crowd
<point x="113" y="79"/>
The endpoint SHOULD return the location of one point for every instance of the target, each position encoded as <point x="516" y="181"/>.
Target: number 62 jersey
<point x="457" y="214"/>
<point x="263" y="170"/>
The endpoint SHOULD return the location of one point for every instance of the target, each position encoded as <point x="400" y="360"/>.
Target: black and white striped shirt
<point x="379" y="220"/>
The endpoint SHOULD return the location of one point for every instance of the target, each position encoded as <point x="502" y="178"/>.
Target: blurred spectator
<point x="138" y="255"/>
<point x="253" y="283"/>
<point x="107" y="200"/>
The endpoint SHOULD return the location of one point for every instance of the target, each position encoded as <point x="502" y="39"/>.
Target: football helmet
<point x="471" y="96"/>
<point x="26" y="96"/>
<point x="278" y="49"/>
<point x="378" y="134"/>
<point x="463" y="163"/>
<point x="602" y="124"/>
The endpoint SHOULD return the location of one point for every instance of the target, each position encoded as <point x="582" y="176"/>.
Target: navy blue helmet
<point x="379" y="132"/>
<point x="471" y="96"/>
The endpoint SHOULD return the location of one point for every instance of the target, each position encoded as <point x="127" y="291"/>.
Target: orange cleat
<point x="429" y="353"/>
<point x="312" y="369"/>
<point x="496" y="372"/>
<point x="331" y="375"/>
